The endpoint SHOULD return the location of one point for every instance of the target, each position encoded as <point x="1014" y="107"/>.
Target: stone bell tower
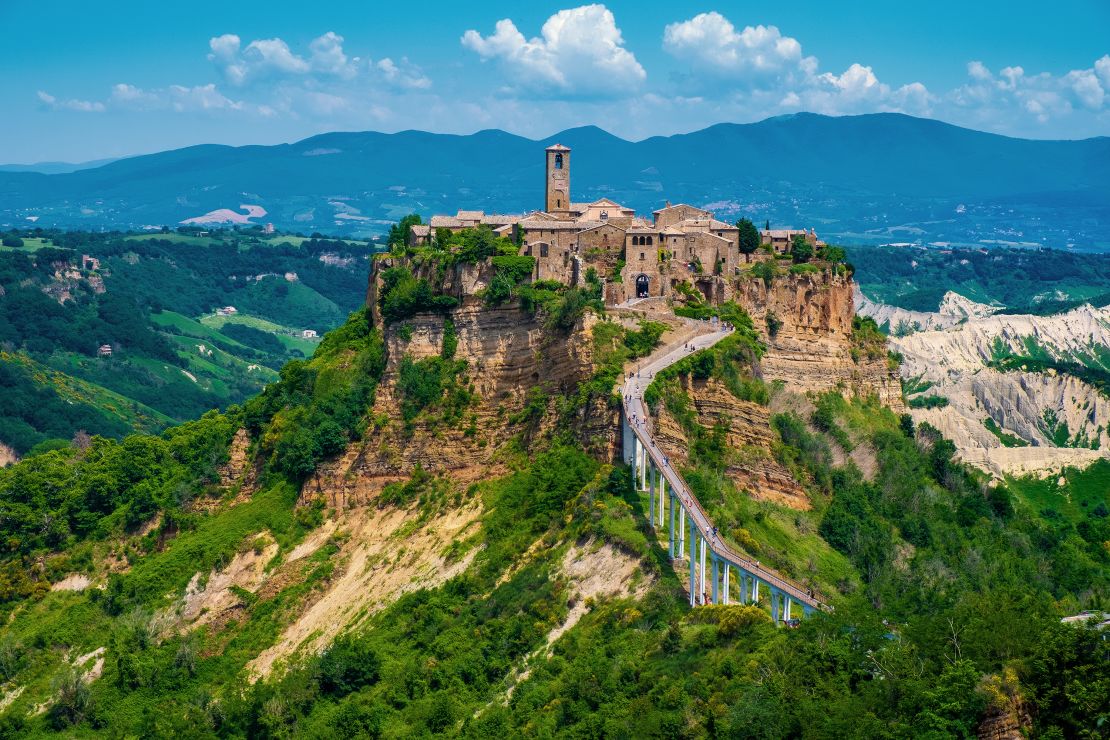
<point x="558" y="179"/>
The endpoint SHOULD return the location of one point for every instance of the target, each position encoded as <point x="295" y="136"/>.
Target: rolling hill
<point x="859" y="179"/>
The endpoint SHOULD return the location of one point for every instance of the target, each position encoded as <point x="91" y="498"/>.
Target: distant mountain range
<point x="868" y="179"/>
<point x="57" y="168"/>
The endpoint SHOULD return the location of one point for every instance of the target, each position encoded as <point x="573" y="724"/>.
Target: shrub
<point x="347" y="666"/>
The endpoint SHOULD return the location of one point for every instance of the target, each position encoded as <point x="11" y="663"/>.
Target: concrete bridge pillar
<point x="628" y="452"/>
<point x="663" y="490"/>
<point x="701" y="591"/>
<point x="716" y="579"/>
<point x="724" y="586"/>
<point x="670" y="530"/>
<point x="693" y="565"/>
<point x="786" y="608"/>
<point x="755" y="590"/>
<point x="682" y="533"/>
<point x="651" y="490"/>
<point x="775" y="607"/>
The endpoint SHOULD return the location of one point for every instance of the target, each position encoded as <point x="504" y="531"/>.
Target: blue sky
<point x="84" y="80"/>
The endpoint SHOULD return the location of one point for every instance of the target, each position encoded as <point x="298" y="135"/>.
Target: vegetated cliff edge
<point x="806" y="322"/>
<point x="494" y="361"/>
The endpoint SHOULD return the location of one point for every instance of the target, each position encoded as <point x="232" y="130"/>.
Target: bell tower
<point x="558" y="179"/>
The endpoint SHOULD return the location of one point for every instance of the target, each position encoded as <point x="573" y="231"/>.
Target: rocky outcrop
<point x="508" y="352"/>
<point x="751" y="466"/>
<point x="954" y="309"/>
<point x="806" y="322"/>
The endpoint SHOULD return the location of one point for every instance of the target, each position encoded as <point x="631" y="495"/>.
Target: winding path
<point x="652" y="467"/>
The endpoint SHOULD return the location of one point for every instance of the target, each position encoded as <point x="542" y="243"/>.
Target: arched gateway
<point x="642" y="286"/>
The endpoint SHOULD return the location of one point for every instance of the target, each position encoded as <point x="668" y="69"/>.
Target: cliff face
<point x="810" y="349"/>
<point x="752" y="468"/>
<point x="508" y="352"/>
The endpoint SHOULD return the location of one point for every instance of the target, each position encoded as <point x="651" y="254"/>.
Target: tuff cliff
<point x="806" y="323"/>
<point x="754" y="469"/>
<point x="514" y="367"/>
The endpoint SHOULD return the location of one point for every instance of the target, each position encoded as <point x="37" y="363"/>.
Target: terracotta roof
<point x="581" y="225"/>
<point x="642" y="229"/>
<point x="470" y="215"/>
<point x="421" y="229"/>
<point x="681" y="205"/>
<point x="715" y="224"/>
<point x="599" y="225"/>
<point x="445" y="222"/>
<point x="558" y="148"/>
<point x="495" y="219"/>
<point x="540" y="216"/>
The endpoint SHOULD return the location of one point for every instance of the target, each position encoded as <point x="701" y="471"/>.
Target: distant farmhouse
<point x="680" y="243"/>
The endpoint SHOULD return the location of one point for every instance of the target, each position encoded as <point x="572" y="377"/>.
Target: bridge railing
<point x="793" y="588"/>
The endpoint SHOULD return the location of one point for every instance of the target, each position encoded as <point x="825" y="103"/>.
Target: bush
<point x="347" y="666"/>
<point x="801" y="250"/>
<point x="13" y="241"/>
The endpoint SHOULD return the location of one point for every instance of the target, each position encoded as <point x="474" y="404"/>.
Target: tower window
<point x="605" y="215"/>
<point x="641" y="255"/>
<point x="649" y="240"/>
<point x="558" y="161"/>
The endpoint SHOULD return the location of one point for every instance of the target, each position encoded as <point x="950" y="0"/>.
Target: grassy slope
<point x="1081" y="492"/>
<point x="142" y="418"/>
<point x="284" y="334"/>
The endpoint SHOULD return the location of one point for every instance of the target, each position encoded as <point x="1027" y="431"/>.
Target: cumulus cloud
<point x="269" y="58"/>
<point x="580" y="51"/>
<point x="402" y="75"/>
<point x="770" y="70"/>
<point x="82" y="106"/>
<point x="987" y="96"/>
<point x="757" y="54"/>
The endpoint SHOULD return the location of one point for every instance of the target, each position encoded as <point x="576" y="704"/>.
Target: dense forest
<point x="143" y="296"/>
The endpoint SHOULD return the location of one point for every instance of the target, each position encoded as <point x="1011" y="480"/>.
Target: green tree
<point x="801" y="250"/>
<point x="748" y="240"/>
<point x="13" y="241"/>
<point x="400" y="232"/>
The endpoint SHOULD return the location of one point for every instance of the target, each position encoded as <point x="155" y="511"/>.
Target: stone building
<point x="633" y="256"/>
<point x="781" y="239"/>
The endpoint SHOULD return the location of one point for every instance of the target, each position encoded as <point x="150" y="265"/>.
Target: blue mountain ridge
<point x="858" y="179"/>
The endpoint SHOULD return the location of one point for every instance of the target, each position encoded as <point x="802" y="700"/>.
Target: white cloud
<point x="580" y="51"/>
<point x="328" y="56"/>
<point x="757" y="54"/>
<point x="81" y="106"/>
<point x="200" y="97"/>
<point x="990" y="99"/>
<point x="769" y="70"/>
<point x="403" y="76"/>
<point x="270" y="58"/>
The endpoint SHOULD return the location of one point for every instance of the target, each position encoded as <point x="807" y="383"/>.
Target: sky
<point x="82" y="81"/>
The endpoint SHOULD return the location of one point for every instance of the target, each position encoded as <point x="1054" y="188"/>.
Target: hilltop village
<point x="636" y="257"/>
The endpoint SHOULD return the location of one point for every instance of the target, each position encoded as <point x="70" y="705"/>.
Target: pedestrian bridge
<point x="673" y="507"/>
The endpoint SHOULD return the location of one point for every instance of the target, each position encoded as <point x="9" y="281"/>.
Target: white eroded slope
<point x="1034" y="406"/>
